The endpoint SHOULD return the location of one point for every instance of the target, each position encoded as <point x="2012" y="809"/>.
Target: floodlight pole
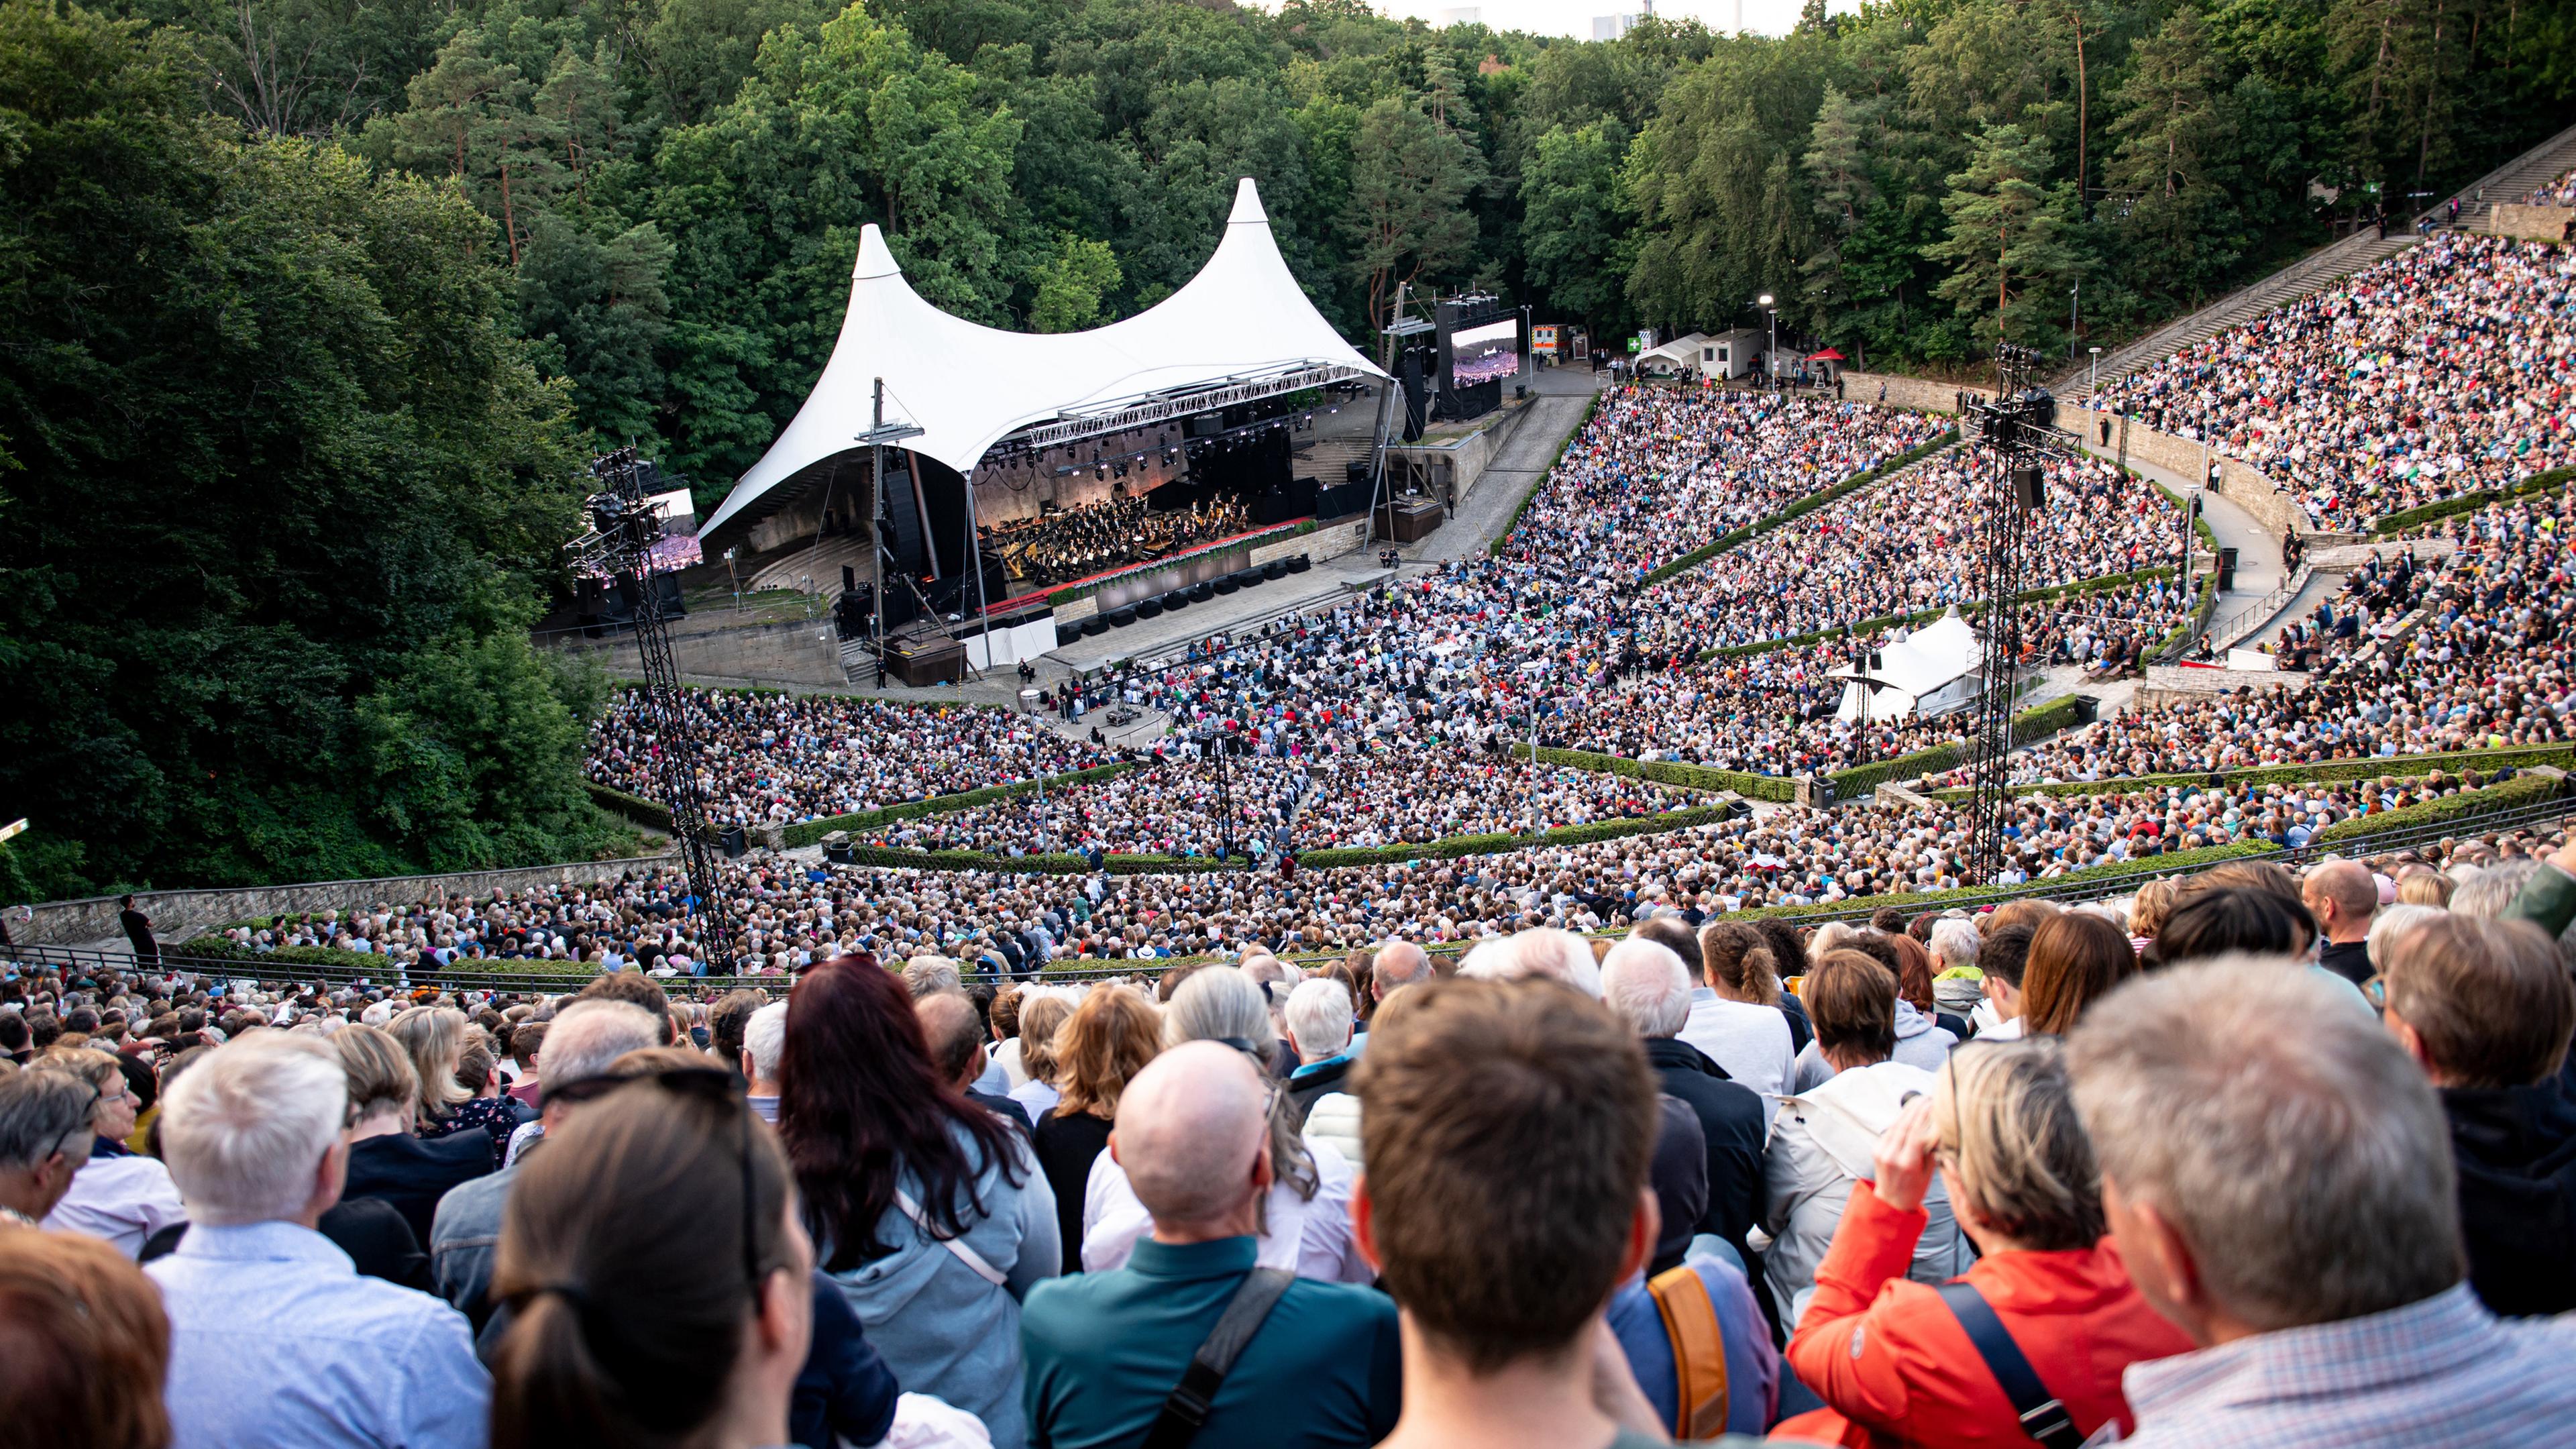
<point x="876" y="437"/>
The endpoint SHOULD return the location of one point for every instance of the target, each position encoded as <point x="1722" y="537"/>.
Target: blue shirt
<point x="1752" y="1363"/>
<point x="275" y="1340"/>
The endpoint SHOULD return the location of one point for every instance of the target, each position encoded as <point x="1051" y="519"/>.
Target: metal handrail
<point x="2262" y="610"/>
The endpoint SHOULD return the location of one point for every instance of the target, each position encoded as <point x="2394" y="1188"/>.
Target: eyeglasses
<point x="707" y="1084"/>
<point x="2375" y="990"/>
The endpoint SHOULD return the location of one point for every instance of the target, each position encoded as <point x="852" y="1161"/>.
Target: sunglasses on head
<point x="709" y="1084"/>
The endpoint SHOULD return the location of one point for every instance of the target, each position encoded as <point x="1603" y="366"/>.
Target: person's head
<point x="1041" y="1020"/>
<point x="728" y="1019"/>
<point x="764" y="1036"/>
<point x="2269" y="1156"/>
<point x="1398" y="963"/>
<point x="1913" y="971"/>
<point x="635" y="989"/>
<point x="1668" y="930"/>
<point x="528" y="1045"/>
<point x="251" y="1133"/>
<point x="382" y="1082"/>
<point x="858" y="1095"/>
<point x="2229" y="920"/>
<point x="2479" y="1003"/>
<point x="610" y="1347"/>
<point x="2019" y="1167"/>
<point x="1647" y="986"/>
<point x="1193" y="1133"/>
<point x="45" y="1137"/>
<point x="2076" y="958"/>
<point x="2422" y="885"/>
<point x="434" y="1036"/>
<point x="2027" y="911"/>
<point x="1494" y="1264"/>
<point x="1220" y="1004"/>
<point x="112" y="1115"/>
<point x="1954" y="943"/>
<point x="2492" y="888"/>
<point x="2341" y="895"/>
<point x="2263" y="877"/>
<point x="2392" y="923"/>
<point x="1319" y="1019"/>
<point x="1544" y="951"/>
<point x="927" y="974"/>
<point x="585" y="1040"/>
<point x="954" y="1034"/>
<point x="1105" y="1043"/>
<point x="1004" y="1014"/>
<point x="87" y="1345"/>
<point x="1737" y="962"/>
<point x="1851" y="999"/>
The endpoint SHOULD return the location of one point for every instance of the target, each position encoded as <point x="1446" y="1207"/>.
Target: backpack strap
<point x="2043" y="1417"/>
<point x="1187" y="1408"/>
<point x="1699" y="1352"/>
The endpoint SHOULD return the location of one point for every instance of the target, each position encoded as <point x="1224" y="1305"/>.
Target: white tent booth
<point x="1011" y="427"/>
<point x="1930" y="672"/>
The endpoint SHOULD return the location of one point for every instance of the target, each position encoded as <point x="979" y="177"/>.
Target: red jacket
<point x="1896" y="1368"/>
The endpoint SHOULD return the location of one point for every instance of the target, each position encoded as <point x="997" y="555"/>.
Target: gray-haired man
<point x="45" y="1137"/>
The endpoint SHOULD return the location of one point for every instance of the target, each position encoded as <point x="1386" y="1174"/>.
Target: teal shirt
<point x="1105" y="1349"/>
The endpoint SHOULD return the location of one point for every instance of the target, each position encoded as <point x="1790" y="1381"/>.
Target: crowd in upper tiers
<point x="2442" y="370"/>
<point x="2561" y="192"/>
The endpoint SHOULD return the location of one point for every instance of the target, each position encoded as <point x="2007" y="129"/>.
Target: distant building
<point x="1611" y="27"/>
<point x="1462" y="15"/>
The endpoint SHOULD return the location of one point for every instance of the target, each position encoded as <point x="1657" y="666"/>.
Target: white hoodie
<point x="1824" y="1142"/>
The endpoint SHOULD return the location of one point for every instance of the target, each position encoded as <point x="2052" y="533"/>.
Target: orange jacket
<point x="1896" y="1368"/>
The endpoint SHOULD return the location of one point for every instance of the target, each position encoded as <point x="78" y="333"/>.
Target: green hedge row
<point x="1797" y="510"/>
<point x="812" y="831"/>
<point x="1269" y="535"/>
<point x="1494" y="549"/>
<point x="1502" y="842"/>
<point x="224" y="948"/>
<point x="2030" y="724"/>
<point x="1925" y="616"/>
<point x="632" y="807"/>
<point x="2147" y="866"/>
<point x="2518" y="791"/>
<point x="2471" y="502"/>
<point x="1751" y="786"/>
<point x="2403" y="767"/>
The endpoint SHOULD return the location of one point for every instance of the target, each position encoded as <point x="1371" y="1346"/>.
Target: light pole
<point x="2093" y="381"/>
<point x="1771" y="358"/>
<point x="2074" y="296"/>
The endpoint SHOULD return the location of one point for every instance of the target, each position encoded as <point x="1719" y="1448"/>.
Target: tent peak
<point x="1247" y="205"/>
<point x="876" y="259"/>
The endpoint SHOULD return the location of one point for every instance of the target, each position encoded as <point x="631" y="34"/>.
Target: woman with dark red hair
<point x="924" y="1207"/>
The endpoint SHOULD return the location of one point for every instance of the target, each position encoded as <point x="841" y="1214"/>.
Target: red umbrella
<point x="1828" y="355"/>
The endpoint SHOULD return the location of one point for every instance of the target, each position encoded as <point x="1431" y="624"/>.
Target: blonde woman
<point x="1999" y="1128"/>
<point x="387" y="1161"/>
<point x="1041" y="1017"/>
<point x="435" y="1038"/>
<point x="1105" y="1043"/>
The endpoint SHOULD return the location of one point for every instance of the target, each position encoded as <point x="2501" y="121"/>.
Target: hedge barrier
<point x="2402" y="767"/>
<point x="1799" y="509"/>
<point x="2031" y="724"/>
<point x="631" y="807"/>
<point x="2521" y="790"/>
<point x="810" y="832"/>
<point x="2147" y="866"/>
<point x="2471" y="502"/>
<point x="1775" y="788"/>
<point x="1494" y="549"/>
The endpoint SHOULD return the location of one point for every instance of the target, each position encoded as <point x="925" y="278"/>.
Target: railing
<point x="2261" y="610"/>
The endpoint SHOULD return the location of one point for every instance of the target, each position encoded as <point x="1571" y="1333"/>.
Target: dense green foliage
<point x="313" y="306"/>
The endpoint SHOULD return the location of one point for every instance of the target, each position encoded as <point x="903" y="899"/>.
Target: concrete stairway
<point x="2323" y="267"/>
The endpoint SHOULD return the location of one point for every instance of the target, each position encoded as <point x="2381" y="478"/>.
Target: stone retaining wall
<point x="177" y="915"/>
<point x="2175" y="683"/>
<point x="2532" y="223"/>
<point x="1920" y="394"/>
<point x="2245" y="485"/>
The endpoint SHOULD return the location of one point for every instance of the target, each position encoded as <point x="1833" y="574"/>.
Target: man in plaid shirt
<point x="2277" y="1175"/>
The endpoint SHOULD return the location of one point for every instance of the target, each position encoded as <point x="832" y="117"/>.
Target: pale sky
<point x="1574" y="17"/>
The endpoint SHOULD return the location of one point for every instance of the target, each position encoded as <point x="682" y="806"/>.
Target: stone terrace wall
<point x="1920" y="394"/>
<point x="2245" y="485"/>
<point x="180" y="914"/>
<point x="2532" y="223"/>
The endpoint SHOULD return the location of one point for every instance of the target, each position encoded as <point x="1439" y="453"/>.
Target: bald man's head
<point x="1399" y="963"/>
<point x="955" y="1033"/>
<point x="1194" y="1135"/>
<point x="2342" y="896"/>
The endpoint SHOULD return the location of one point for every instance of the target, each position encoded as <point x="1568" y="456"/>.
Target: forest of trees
<point x="314" y="306"/>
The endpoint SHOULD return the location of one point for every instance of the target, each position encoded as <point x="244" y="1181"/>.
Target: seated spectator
<point x="2343" y="898"/>
<point x="1319" y="1027"/>
<point x="764" y="1035"/>
<point x="1305" y="1219"/>
<point x="1105" y="1351"/>
<point x="1735" y="1016"/>
<point x="118" y="1196"/>
<point x="2076" y="958"/>
<point x="2487" y="1009"/>
<point x="583" y="1043"/>
<point x="45" y="1137"/>
<point x="2276" y="1175"/>
<point x="1826" y="1139"/>
<point x="1502" y="1274"/>
<point x="435" y="1037"/>
<point x="386" y="1162"/>
<point x="955" y="1036"/>
<point x="1647" y="986"/>
<point x="256" y="1296"/>
<point x="1661" y="1313"/>
<point x="2003" y="957"/>
<point x="930" y="1214"/>
<point x="1884" y="1351"/>
<point x="1918" y="1042"/>
<point x="2212" y="920"/>
<point x="609" y="1347"/>
<point x="1041" y="1020"/>
<point x="84" y="1337"/>
<point x="527" y="1047"/>
<point x="1103" y="1045"/>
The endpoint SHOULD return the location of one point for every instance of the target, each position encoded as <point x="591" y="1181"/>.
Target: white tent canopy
<point x="1932" y="669"/>
<point x="1680" y="355"/>
<point x="1242" y="320"/>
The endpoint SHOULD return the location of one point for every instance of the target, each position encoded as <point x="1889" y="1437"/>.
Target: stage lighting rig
<point x="624" y="528"/>
<point x="2018" y="429"/>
